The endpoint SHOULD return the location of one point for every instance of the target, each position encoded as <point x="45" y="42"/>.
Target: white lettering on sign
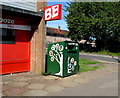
<point x="17" y="27"/>
<point x="5" y="20"/>
<point x="53" y="12"/>
<point x="48" y="14"/>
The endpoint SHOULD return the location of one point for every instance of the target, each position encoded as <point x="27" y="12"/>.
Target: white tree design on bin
<point x="71" y="64"/>
<point x="56" y="54"/>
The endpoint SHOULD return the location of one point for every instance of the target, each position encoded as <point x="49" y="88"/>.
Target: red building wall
<point x="16" y="57"/>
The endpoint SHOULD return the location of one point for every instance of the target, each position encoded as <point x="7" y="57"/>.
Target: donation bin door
<point x="71" y="62"/>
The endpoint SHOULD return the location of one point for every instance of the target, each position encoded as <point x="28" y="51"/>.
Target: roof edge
<point x="22" y="11"/>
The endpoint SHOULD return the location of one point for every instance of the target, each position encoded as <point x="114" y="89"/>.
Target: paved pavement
<point x="102" y="86"/>
<point x="99" y="57"/>
<point x="92" y="82"/>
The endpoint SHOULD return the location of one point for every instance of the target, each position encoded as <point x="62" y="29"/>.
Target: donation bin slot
<point x="71" y="47"/>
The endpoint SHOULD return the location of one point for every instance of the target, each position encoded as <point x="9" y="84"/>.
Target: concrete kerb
<point x="105" y="61"/>
<point x="108" y="56"/>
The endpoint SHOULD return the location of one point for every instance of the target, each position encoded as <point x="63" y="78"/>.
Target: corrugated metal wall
<point x="23" y="4"/>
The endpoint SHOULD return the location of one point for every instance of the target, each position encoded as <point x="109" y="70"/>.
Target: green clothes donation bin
<point x="63" y="58"/>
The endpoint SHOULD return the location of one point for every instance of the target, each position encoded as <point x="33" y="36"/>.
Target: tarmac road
<point x="101" y="58"/>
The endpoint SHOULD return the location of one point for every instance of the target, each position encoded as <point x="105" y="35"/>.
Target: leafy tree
<point x="95" y="20"/>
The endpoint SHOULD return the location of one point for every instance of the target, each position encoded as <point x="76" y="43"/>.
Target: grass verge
<point x="83" y="65"/>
